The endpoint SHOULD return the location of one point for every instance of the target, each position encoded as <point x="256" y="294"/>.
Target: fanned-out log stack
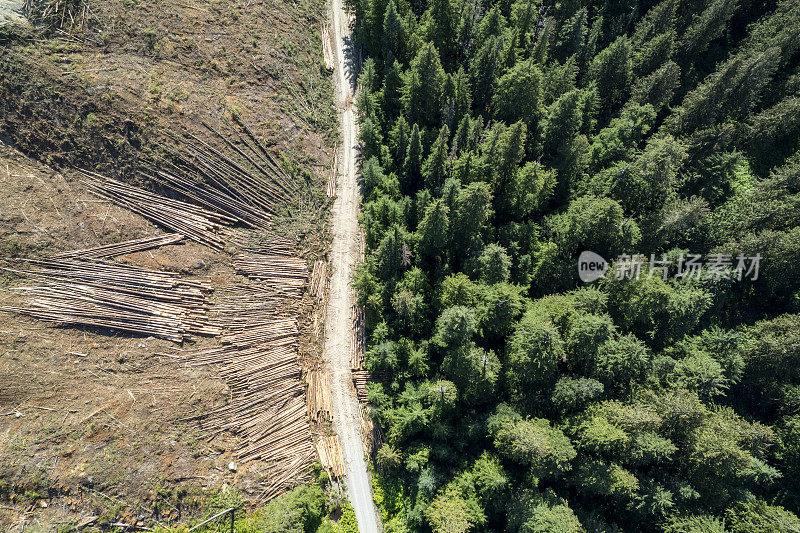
<point x="122" y="248"/>
<point x="319" y="275"/>
<point x="262" y="242"/>
<point x="241" y="306"/>
<point x="267" y="408"/>
<point x="112" y="295"/>
<point x="245" y="181"/>
<point x="187" y="219"/>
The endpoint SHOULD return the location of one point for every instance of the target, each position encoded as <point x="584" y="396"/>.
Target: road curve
<point x="344" y="256"/>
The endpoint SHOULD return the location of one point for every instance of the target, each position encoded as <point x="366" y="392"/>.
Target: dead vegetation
<point x="65" y="14"/>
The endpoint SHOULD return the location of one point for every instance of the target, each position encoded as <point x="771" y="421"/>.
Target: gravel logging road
<point x="344" y="256"/>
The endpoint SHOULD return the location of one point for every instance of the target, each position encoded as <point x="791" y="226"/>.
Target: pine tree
<point x="472" y="214"/>
<point x="611" y="71"/>
<point x="559" y="79"/>
<point x="523" y="17"/>
<point x="484" y="70"/>
<point x="653" y="39"/>
<point x="389" y="254"/>
<point x="707" y="27"/>
<point x="399" y="137"/>
<point x="433" y="232"/>
<point x="394" y="36"/>
<point x="542" y="43"/>
<point x="731" y="91"/>
<point x="434" y="170"/>
<point x="371" y="139"/>
<point x="571" y="36"/>
<point x="562" y="123"/>
<point x="422" y="92"/>
<point x="391" y="93"/>
<point x="466" y="28"/>
<point x="459" y="102"/>
<point x="518" y="95"/>
<point x="491" y="25"/>
<point x="658" y="88"/>
<point x="590" y="48"/>
<point x="511" y="150"/>
<point x="411" y="173"/>
<point x="441" y="29"/>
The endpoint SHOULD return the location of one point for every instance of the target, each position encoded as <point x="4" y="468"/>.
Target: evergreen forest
<point x="500" y="140"/>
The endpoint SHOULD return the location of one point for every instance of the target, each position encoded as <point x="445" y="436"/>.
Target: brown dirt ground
<point x="91" y="419"/>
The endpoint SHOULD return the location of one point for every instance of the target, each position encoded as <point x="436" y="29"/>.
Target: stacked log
<point x="371" y="435"/>
<point x="357" y="339"/>
<point x="258" y="242"/>
<point x="194" y="222"/>
<point x="332" y="176"/>
<point x="329" y="449"/>
<point x="319" y="275"/>
<point x="360" y="380"/>
<point x="317" y="322"/>
<point x="327" y="48"/>
<point x="122" y="248"/>
<point x="286" y="274"/>
<point x="258" y="359"/>
<point x="111" y="295"/>
<point x="318" y="394"/>
<point x="245" y="305"/>
<point x="243" y="180"/>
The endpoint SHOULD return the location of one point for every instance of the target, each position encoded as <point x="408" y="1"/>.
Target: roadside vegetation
<point x="501" y="139"/>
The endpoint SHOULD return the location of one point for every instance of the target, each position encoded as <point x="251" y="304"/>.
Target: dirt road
<point x="344" y="255"/>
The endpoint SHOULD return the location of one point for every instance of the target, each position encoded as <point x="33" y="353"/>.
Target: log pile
<point x="360" y="380"/>
<point x="329" y="449"/>
<point x="319" y="276"/>
<point x="371" y="434"/>
<point x="194" y="222"/>
<point x="244" y="180"/>
<point x="358" y="374"/>
<point x="317" y="321"/>
<point x="284" y="273"/>
<point x="318" y="394"/>
<point x="357" y="339"/>
<point x="327" y="48"/>
<point x="332" y="176"/>
<point x="244" y="305"/>
<point x="117" y="296"/>
<point x="258" y="242"/>
<point x="122" y="248"/>
<point x="267" y="408"/>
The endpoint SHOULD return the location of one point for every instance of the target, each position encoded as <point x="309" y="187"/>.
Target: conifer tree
<point x="518" y="95"/>
<point x="412" y="164"/>
<point x="422" y="92"/>
<point x="399" y="138"/>
<point x="433" y="232"/>
<point x="391" y="92"/>
<point x="393" y="36"/>
<point x="611" y="71"/>
<point x="434" y="170"/>
<point x="441" y="29"/>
